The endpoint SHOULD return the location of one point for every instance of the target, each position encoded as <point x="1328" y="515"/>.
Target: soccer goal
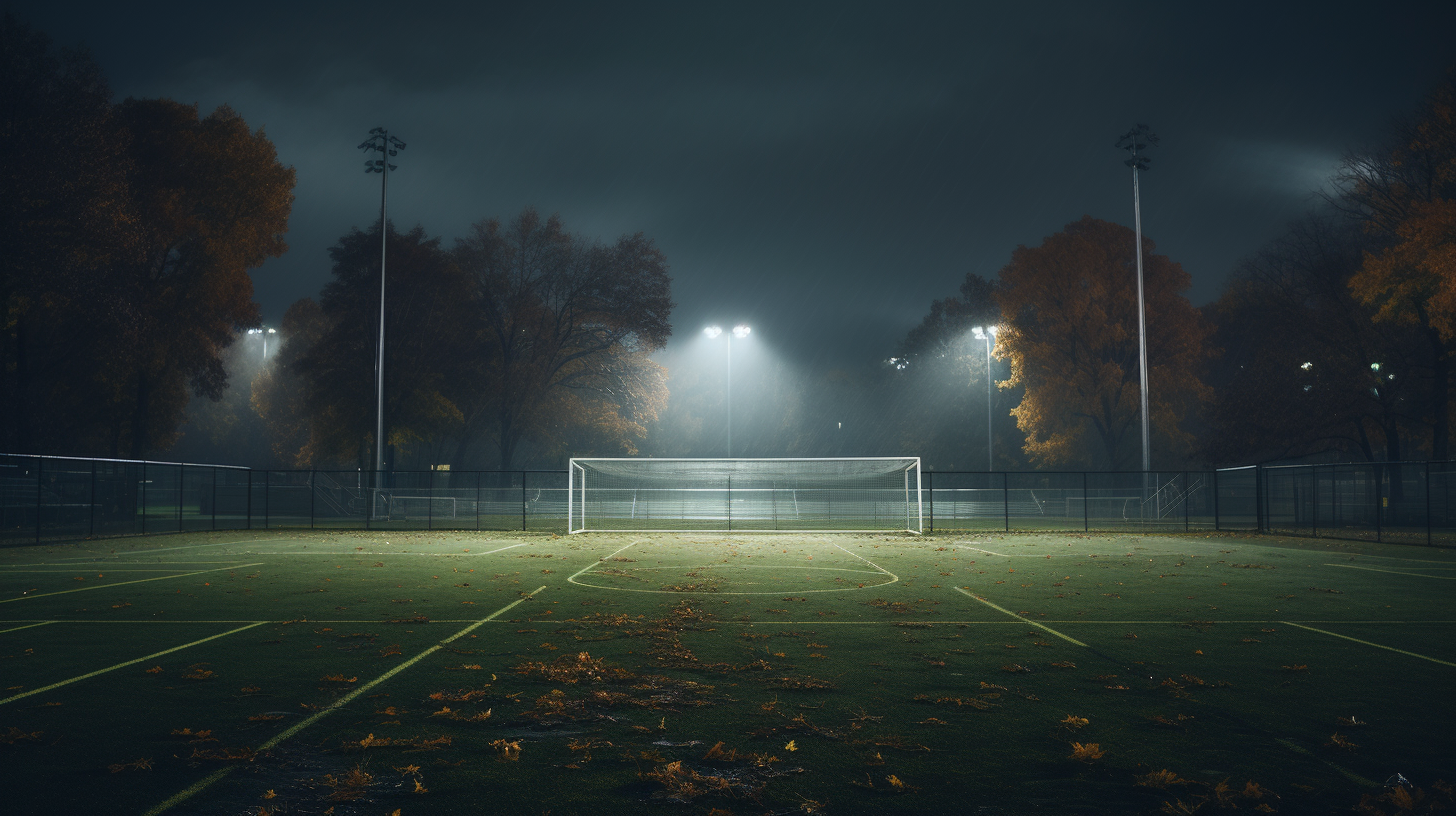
<point x="871" y="494"/>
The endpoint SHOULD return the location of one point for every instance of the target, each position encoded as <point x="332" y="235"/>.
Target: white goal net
<point x="878" y="494"/>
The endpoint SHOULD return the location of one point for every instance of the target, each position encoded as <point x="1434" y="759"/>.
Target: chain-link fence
<point x="49" y="498"/>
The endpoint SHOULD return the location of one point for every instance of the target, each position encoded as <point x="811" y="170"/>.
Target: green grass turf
<point x="294" y="672"/>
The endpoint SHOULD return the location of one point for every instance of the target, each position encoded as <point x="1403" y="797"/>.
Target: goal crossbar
<point x="850" y="494"/>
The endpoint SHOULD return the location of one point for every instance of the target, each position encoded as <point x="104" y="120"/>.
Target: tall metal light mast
<point x="380" y="141"/>
<point x="1135" y="141"/>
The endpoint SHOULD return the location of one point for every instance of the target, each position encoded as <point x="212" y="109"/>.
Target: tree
<point x="1070" y="334"/>
<point x="127" y="233"/>
<point x="562" y="330"/>
<point x="426" y="322"/>
<point x="1306" y="369"/>
<point x="1406" y="199"/>
<point x="940" y="378"/>
<point x="60" y="219"/>
<point x="210" y="202"/>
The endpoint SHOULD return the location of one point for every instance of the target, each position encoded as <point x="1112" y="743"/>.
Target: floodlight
<point x="740" y="331"/>
<point x="712" y="331"/>
<point x="980" y="333"/>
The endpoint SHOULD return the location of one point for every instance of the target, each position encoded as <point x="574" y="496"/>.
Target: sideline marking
<point x="108" y="569"/>
<point x="1395" y="572"/>
<point x="27" y="626"/>
<point x="124" y="583"/>
<point x="340" y="703"/>
<point x="130" y="663"/>
<point x="1018" y="617"/>
<point x="1368" y="643"/>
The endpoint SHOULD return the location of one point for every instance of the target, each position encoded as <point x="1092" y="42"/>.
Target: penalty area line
<point x="1396" y="572"/>
<point x="1006" y="611"/>
<point x="572" y="579"/>
<point x="130" y="663"/>
<point x="1368" y="643"/>
<point x="124" y="583"/>
<point x="217" y="775"/>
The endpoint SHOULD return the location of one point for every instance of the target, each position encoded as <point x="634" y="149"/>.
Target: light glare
<point x="712" y="331"/>
<point x="740" y="331"/>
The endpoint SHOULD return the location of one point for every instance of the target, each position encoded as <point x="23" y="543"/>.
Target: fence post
<point x="1428" y="502"/>
<point x="930" y="489"/>
<point x="1187" y="494"/>
<point x="267" y="499"/>
<point x="1086" y="514"/>
<point x="477" y="501"/>
<point x="1006" y="498"/>
<point x="523" y="501"/>
<point x="1314" y="501"/>
<point x="214" y="499"/>
<point x="91" y="527"/>
<point x="1258" y="498"/>
<point x="144" y="498"/>
<point x="249" y="494"/>
<point x="312" y="500"/>
<point x="1379" y="500"/>
<point x="39" y="473"/>
<point x="181" y="493"/>
<point x="1215" y="500"/>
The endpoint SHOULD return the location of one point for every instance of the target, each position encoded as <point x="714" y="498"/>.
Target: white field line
<point x="27" y="626"/>
<point x="105" y="565"/>
<point x="766" y="622"/>
<point x="756" y="566"/>
<point x="184" y="547"/>
<point x="592" y="565"/>
<point x="1368" y="643"/>
<point x="1395" y="572"/>
<point x="1345" y="772"/>
<point x="74" y="571"/>
<point x="124" y="583"/>
<point x="1018" y="617"/>
<point x="340" y="703"/>
<point x="873" y="564"/>
<point x="129" y="663"/>
<point x="979" y="550"/>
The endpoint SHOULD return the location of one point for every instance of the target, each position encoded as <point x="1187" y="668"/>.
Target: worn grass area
<point x="368" y="673"/>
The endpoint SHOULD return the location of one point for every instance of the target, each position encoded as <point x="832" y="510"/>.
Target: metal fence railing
<point x="52" y="498"/>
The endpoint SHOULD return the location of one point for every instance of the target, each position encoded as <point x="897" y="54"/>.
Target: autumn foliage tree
<point x="127" y="233"/>
<point x="1406" y="199"/>
<point x="1070" y="334"/>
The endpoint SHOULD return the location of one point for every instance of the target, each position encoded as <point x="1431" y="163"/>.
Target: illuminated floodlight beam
<point x="740" y="331"/>
<point x="989" y="335"/>
<point x="265" y="333"/>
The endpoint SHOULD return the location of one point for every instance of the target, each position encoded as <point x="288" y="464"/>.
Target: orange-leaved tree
<point x="1407" y="200"/>
<point x="1071" y="336"/>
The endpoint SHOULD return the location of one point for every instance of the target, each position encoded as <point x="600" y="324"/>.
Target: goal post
<point x="859" y="494"/>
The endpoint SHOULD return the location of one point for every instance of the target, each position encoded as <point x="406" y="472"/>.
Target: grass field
<point x="465" y="673"/>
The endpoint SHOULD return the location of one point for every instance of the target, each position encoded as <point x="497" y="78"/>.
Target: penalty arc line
<point x="124" y="583"/>
<point x="130" y="663"/>
<point x="212" y="778"/>
<point x="1018" y="617"/>
<point x="1368" y="643"/>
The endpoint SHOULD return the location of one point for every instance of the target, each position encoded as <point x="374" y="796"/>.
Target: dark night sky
<point x="821" y="170"/>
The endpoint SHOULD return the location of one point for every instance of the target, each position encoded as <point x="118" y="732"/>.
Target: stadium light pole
<point x="989" y="335"/>
<point x="1139" y="139"/>
<point x="740" y="331"/>
<point x="381" y="142"/>
<point x="265" y="333"/>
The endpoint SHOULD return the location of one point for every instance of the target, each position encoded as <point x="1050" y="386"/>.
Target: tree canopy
<point x="1070" y="334"/>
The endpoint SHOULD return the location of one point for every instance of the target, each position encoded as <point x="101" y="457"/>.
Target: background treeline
<point x="131" y="227"/>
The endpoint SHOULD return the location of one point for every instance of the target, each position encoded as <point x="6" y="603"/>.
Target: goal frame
<point x="914" y="495"/>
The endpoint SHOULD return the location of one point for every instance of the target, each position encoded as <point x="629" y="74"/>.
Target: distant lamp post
<point x="740" y="331"/>
<point x="265" y="333"/>
<point x="1135" y="141"/>
<point x="381" y="142"/>
<point x="989" y="335"/>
